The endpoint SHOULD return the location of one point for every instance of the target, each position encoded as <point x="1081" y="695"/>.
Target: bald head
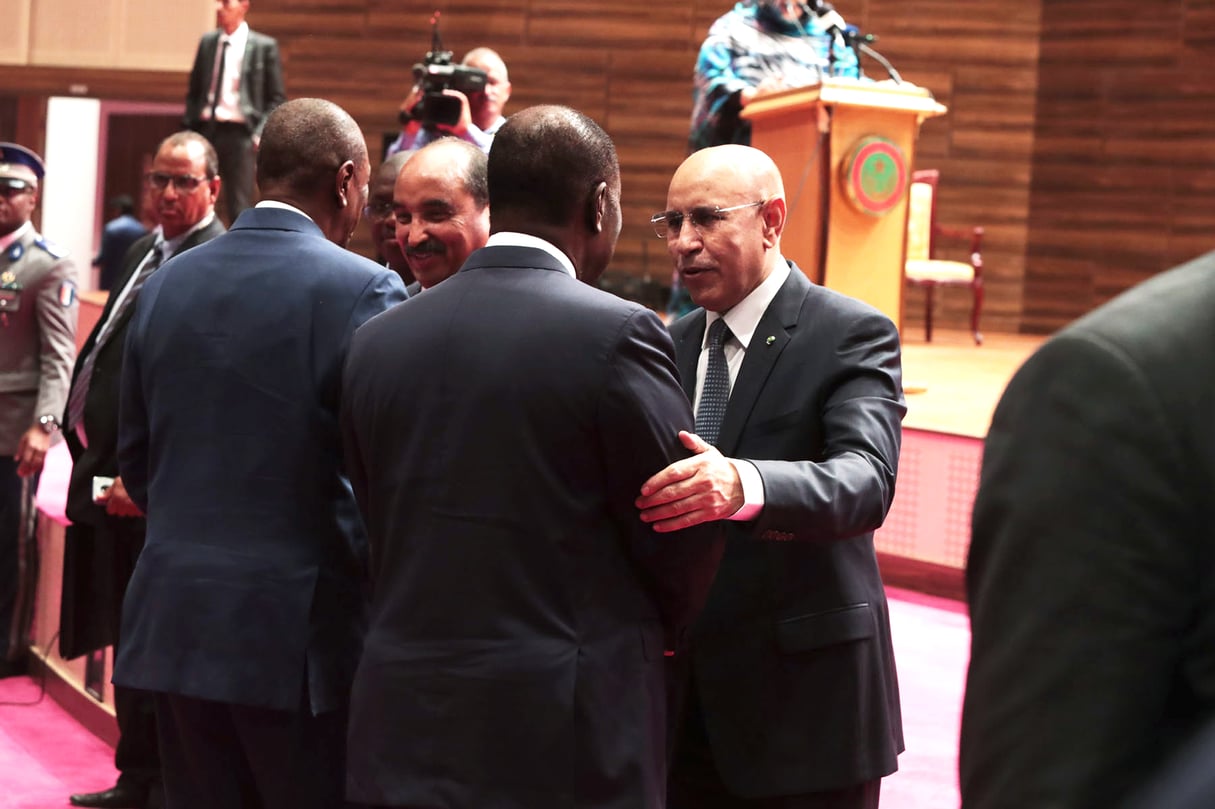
<point x="723" y="257"/>
<point x="553" y="173"/>
<point x="486" y="106"/>
<point x="313" y="156"/>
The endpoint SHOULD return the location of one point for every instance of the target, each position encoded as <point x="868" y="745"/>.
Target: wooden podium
<point x="845" y="149"/>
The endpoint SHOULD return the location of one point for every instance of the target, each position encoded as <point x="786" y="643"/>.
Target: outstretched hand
<point x="698" y="489"/>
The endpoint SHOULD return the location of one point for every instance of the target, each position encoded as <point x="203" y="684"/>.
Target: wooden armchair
<point x="924" y="268"/>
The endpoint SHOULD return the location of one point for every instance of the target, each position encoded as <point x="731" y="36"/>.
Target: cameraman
<point x="480" y="112"/>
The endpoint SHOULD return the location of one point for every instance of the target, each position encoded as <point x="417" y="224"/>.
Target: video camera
<point x="436" y="73"/>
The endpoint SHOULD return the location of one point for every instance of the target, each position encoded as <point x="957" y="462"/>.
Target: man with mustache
<point x="107" y="532"/>
<point x="441" y="203"/>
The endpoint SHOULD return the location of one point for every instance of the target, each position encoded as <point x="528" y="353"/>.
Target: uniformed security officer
<point x="37" y="347"/>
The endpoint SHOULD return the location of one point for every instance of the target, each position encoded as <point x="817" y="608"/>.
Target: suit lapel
<point x="246" y="69"/>
<point x="771" y="336"/>
<point x="689" y="334"/>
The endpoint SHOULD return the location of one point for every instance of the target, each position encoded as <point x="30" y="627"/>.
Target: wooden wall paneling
<point x="1125" y="128"/>
<point x="104" y="83"/>
<point x="14" y="34"/>
<point x="155" y="35"/>
<point x="69" y="32"/>
<point x="979" y="58"/>
<point x="1082" y="143"/>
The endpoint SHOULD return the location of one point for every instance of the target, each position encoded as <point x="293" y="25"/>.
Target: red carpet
<point x="45" y="755"/>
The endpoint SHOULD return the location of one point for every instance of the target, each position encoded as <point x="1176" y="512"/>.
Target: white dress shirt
<point x="742" y="320"/>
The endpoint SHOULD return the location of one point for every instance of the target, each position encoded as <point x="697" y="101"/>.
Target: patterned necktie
<point x="80" y="390"/>
<point x="716" y="391"/>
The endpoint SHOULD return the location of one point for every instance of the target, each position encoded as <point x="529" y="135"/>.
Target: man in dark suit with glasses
<point x="790" y="699"/>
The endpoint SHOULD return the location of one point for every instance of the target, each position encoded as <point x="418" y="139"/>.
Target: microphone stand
<point x="861" y="47"/>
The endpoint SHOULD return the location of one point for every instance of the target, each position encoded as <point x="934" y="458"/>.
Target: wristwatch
<point x="48" y="423"/>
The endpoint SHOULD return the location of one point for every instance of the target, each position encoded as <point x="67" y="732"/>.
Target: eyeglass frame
<point x="151" y="179"/>
<point x="662" y="218"/>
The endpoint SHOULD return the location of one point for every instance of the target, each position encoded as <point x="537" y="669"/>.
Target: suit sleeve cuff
<point x="753" y="491"/>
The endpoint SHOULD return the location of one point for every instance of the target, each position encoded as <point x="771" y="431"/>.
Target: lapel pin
<point x="770" y="340"/>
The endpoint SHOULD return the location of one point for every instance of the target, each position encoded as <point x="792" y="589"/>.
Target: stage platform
<point x="952" y="388"/>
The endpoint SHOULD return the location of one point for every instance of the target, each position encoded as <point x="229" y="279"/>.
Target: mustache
<point x="430" y="247"/>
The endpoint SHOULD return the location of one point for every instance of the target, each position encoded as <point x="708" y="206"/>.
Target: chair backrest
<point x="921" y="214"/>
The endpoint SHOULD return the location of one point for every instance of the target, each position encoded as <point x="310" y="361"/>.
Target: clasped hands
<point x="697" y="489"/>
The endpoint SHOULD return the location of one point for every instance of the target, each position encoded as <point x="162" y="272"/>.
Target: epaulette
<point x="54" y="250"/>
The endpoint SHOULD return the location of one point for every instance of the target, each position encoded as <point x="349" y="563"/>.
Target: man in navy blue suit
<point x="521" y="608"/>
<point x="245" y="611"/>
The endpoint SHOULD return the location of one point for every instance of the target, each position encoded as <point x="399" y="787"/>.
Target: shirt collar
<point x="507" y="238"/>
<point x="169" y="247"/>
<point x="16" y="235"/>
<point x="237" y="39"/>
<point x="744" y="317"/>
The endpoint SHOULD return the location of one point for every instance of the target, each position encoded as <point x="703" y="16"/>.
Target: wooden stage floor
<point x="952" y="385"/>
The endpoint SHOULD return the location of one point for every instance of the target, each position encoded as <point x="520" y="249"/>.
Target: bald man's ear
<point x="774" y="214"/>
<point x="596" y="208"/>
<point x="344" y="179"/>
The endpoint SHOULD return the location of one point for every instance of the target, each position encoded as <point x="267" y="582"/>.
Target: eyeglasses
<point x="704" y="219"/>
<point x="182" y="183"/>
<point x="378" y="210"/>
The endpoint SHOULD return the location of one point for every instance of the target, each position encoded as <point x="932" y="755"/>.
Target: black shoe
<point x="121" y="796"/>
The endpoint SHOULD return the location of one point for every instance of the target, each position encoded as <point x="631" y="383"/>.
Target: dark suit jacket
<point x="515" y="657"/>
<point x="251" y="585"/>
<point x="1090" y="575"/>
<point x="261" y="80"/>
<point x="93" y="583"/>
<point x="792" y="655"/>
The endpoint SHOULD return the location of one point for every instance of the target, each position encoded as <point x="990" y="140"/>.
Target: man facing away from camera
<point x="246" y="610"/>
<point x="521" y="609"/>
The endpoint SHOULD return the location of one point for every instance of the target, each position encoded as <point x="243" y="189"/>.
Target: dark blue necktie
<point x="716" y="391"/>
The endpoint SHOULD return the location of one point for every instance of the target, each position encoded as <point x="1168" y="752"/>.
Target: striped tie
<point x="80" y="390"/>
<point x="716" y="391"/>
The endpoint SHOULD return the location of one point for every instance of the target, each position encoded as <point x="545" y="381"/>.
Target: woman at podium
<point x="762" y="46"/>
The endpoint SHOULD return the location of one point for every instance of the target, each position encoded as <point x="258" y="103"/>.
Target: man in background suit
<point x="791" y="699"/>
<point x="107" y="531"/>
<point x="117" y="236"/>
<point x="441" y="205"/>
<point x="246" y="608"/>
<point x="1090" y="577"/>
<point x="235" y="84"/>
<point x="515" y="657"/>
<point x="381" y="223"/>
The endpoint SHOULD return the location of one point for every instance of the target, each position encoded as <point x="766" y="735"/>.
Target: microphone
<point x="826" y="14"/>
<point x="835" y="27"/>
